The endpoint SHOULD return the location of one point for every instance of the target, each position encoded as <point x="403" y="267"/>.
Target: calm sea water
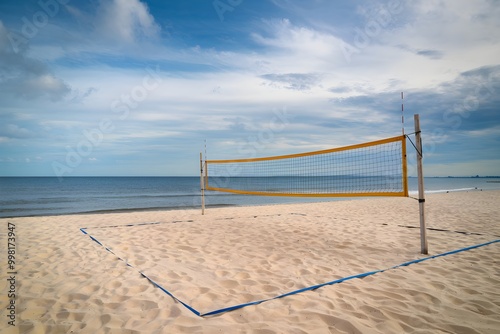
<point x="34" y="196"/>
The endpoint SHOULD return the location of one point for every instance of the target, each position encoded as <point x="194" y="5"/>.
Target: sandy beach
<point x="65" y="282"/>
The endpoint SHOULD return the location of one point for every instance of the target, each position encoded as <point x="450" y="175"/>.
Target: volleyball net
<point x="376" y="168"/>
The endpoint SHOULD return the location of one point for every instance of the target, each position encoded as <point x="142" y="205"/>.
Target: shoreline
<point x="67" y="282"/>
<point x="110" y="211"/>
<point x="192" y="207"/>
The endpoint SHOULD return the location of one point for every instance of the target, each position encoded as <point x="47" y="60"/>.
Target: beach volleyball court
<point x="231" y="258"/>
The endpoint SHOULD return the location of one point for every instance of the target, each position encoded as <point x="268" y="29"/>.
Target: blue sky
<point x="129" y="87"/>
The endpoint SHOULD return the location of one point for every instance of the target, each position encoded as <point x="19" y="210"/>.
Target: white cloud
<point x="465" y="33"/>
<point x="25" y="76"/>
<point x="299" y="49"/>
<point x="483" y="133"/>
<point x="295" y="81"/>
<point x="14" y="131"/>
<point x="126" y="21"/>
<point x="54" y="87"/>
<point x="51" y="125"/>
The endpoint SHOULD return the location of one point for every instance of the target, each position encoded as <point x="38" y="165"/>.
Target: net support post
<point x="421" y="192"/>
<point x="202" y="185"/>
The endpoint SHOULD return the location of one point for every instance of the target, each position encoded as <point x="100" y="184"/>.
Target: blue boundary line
<point x="313" y="287"/>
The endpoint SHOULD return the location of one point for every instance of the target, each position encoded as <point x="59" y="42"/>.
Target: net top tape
<point x="305" y="154"/>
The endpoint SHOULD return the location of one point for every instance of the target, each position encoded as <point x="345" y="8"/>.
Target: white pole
<point x="202" y="185"/>
<point x="421" y="192"/>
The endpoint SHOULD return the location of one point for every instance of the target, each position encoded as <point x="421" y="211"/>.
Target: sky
<point x="140" y="88"/>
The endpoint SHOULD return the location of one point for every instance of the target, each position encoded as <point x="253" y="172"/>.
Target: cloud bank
<point x="136" y="87"/>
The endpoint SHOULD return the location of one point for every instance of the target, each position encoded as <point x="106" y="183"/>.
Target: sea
<point x="42" y="196"/>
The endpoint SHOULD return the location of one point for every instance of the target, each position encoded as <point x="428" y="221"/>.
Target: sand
<point x="67" y="283"/>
